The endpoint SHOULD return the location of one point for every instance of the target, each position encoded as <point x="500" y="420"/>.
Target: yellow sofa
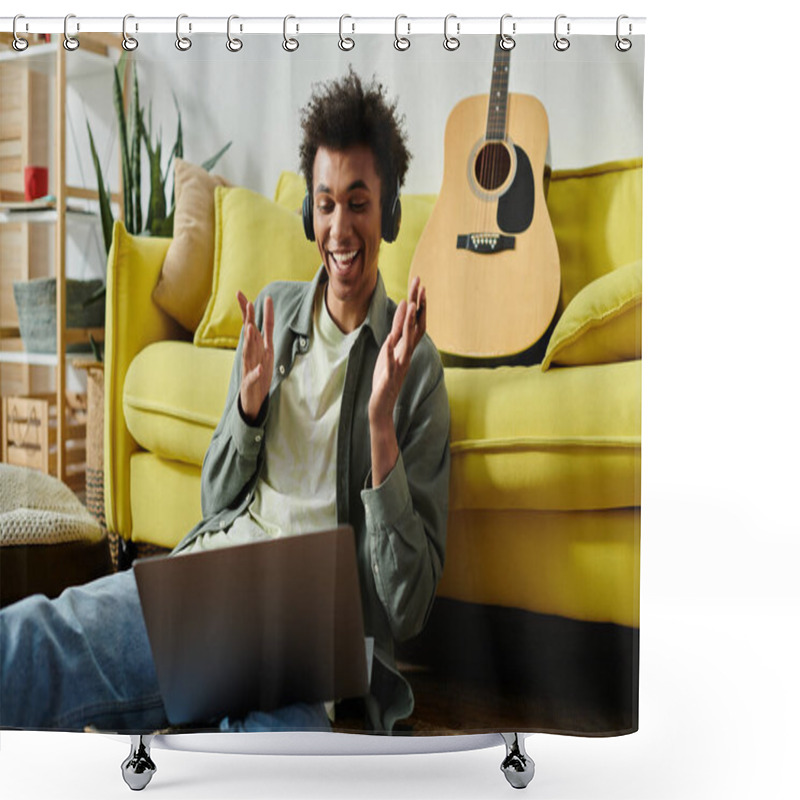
<point x="545" y="482"/>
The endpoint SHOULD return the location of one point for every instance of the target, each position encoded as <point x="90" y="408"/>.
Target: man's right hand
<point x="258" y="357"/>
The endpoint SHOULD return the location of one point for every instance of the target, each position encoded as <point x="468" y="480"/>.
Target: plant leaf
<point x="164" y="227"/>
<point x="177" y="148"/>
<point x="98" y="353"/>
<point x="94" y="297"/>
<point x="106" y="217"/>
<point x="121" y="64"/>
<point x="177" y="152"/>
<point x="123" y="146"/>
<point x="208" y="164"/>
<point x="136" y="155"/>
<point x="157" y="208"/>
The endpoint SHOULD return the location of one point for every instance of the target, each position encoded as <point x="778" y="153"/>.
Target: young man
<point x="336" y="412"/>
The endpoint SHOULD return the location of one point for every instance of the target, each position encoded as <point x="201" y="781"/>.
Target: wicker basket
<point x="36" y="308"/>
<point x="95" y="392"/>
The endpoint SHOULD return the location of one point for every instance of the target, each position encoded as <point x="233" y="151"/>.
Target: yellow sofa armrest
<point x="133" y="321"/>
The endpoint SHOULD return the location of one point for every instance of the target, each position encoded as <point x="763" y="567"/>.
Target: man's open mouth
<point x="343" y="260"/>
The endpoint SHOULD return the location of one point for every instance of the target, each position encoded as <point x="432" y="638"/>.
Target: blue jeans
<point x="84" y="659"/>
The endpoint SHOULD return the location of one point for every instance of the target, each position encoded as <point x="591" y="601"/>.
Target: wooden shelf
<point x="14" y="210"/>
<point x="71" y="336"/>
<point x="28" y="359"/>
<point x="44" y="215"/>
<point x="37" y="359"/>
<point x="43" y="73"/>
<point x="81" y="335"/>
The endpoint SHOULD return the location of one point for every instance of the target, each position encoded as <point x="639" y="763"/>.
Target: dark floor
<point x="481" y="668"/>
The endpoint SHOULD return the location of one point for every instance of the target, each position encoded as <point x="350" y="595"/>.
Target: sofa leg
<point x="517" y="766"/>
<point x="138" y="768"/>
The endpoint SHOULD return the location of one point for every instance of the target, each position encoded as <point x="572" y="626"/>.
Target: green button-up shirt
<point x="400" y="526"/>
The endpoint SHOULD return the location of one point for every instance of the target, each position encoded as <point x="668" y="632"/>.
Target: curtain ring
<point x="128" y="42"/>
<point x="561" y="43"/>
<point x="401" y="42"/>
<point x="19" y="44"/>
<point x="623" y="45"/>
<point x="183" y="43"/>
<point x="233" y="44"/>
<point x="345" y="42"/>
<point x="507" y="42"/>
<point x="70" y="42"/>
<point x="289" y="44"/>
<point x="451" y="42"/>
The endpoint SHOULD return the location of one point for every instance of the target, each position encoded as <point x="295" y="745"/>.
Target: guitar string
<point x="494" y="154"/>
<point x="492" y="159"/>
<point x="498" y="132"/>
<point x="488" y="155"/>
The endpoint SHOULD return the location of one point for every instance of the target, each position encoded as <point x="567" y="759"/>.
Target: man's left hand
<point x="394" y="358"/>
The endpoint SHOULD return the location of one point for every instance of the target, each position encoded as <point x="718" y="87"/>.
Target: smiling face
<point x="347" y="229"/>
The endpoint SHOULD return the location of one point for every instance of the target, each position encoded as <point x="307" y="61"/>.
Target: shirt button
<point x="258" y="437"/>
<point x="282" y="369"/>
<point x="303" y="342"/>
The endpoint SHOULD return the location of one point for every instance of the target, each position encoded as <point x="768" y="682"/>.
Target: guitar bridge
<point x="485" y="243"/>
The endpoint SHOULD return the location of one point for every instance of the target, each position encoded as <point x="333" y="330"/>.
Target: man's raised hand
<point x="258" y="357"/>
<point x="410" y="321"/>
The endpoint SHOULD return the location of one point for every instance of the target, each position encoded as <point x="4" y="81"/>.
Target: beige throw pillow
<point x="184" y="285"/>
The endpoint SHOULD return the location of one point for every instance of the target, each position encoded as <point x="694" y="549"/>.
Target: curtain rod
<point x="404" y="25"/>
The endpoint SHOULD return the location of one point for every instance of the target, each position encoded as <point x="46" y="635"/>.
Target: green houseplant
<point x="135" y="131"/>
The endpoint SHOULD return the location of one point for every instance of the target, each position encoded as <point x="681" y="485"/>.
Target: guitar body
<point x="488" y="257"/>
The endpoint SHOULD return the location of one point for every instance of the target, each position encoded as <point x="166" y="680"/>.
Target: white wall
<point x="253" y="97"/>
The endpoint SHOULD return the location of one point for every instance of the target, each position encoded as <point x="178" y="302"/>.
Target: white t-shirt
<point x="297" y="489"/>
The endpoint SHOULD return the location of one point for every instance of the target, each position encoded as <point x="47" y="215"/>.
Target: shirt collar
<point x="376" y="320"/>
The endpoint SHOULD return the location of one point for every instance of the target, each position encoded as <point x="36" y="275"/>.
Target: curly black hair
<point x="344" y="112"/>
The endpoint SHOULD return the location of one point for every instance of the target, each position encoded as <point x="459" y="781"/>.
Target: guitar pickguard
<point x="515" y="207"/>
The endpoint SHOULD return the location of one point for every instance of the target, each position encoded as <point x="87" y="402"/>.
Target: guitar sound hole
<point x="492" y="166"/>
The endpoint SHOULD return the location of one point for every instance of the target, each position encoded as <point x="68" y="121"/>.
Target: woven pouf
<point x="48" y="540"/>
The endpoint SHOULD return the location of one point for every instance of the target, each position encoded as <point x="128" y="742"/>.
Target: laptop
<point x="255" y="626"/>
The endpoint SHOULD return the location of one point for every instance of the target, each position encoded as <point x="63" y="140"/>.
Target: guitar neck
<point x="496" y="123"/>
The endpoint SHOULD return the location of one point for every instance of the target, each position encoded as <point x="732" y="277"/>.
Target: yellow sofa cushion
<point x="520" y="438"/>
<point x="579" y="564"/>
<point x="155" y="483"/>
<point x="173" y="398"/>
<point x="597" y="218"/>
<point x="257" y="242"/>
<point x="603" y="323"/>
<point x="394" y="259"/>
<point x="290" y="191"/>
<point x="561" y="440"/>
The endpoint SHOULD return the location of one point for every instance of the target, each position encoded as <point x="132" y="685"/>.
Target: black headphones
<point x="390" y="217"/>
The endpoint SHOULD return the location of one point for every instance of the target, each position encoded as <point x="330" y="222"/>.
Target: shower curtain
<point x="521" y="212"/>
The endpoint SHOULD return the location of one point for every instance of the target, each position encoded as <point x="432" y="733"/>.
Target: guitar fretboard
<point x="498" y="95"/>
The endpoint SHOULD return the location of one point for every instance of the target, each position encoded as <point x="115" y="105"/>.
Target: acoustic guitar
<point x="488" y="255"/>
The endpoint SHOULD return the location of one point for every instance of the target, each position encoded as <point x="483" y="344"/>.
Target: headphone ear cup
<point x="390" y="224"/>
<point x="308" y="218"/>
